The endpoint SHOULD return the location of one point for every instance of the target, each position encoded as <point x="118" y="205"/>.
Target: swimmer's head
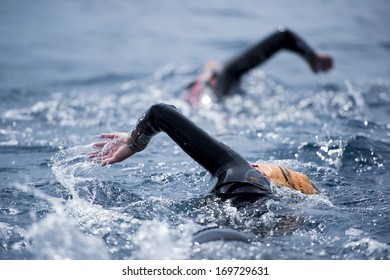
<point x="282" y="176"/>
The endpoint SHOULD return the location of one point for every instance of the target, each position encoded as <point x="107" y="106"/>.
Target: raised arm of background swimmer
<point x="263" y="50"/>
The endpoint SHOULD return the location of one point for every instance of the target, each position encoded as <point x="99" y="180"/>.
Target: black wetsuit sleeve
<point x="259" y="53"/>
<point x="235" y="176"/>
<point x="198" y="144"/>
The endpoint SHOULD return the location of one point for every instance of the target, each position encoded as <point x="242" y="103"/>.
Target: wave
<point x="18" y="149"/>
<point x="363" y="154"/>
<point x="358" y="154"/>
<point x="108" y="78"/>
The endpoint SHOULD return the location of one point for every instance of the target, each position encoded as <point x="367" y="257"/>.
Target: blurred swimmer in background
<point x="219" y="80"/>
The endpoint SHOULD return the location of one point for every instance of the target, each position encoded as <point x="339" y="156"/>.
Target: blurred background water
<point x="72" y="69"/>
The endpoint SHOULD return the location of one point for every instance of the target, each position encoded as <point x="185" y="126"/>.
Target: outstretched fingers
<point x="99" y="144"/>
<point x="111" y="151"/>
<point x="94" y="154"/>
<point x="109" y="135"/>
<point x="103" y="160"/>
<point x="107" y="161"/>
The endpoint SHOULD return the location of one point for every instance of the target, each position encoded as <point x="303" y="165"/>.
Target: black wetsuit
<point x="236" y="178"/>
<point x="229" y="75"/>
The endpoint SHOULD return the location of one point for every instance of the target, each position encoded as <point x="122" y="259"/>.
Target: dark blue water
<point x="72" y="69"/>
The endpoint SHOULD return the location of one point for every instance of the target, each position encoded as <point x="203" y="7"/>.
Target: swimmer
<point x="236" y="179"/>
<point x="218" y="81"/>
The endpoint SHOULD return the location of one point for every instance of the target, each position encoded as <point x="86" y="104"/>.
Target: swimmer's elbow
<point x="158" y="107"/>
<point x="286" y="32"/>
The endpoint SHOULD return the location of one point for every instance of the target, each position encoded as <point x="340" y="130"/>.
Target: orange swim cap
<point x="279" y="175"/>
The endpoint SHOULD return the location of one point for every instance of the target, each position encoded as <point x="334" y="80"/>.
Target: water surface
<point x="72" y="69"/>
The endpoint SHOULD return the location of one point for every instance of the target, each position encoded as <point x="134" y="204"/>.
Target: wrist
<point x="133" y="148"/>
<point x="313" y="61"/>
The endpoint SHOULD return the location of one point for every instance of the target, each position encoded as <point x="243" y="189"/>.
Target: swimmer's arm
<point x="197" y="143"/>
<point x="262" y="51"/>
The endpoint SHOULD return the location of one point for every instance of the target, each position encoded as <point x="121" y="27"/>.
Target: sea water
<point x="70" y="70"/>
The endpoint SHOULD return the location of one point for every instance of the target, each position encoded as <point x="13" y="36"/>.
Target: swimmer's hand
<point x="113" y="150"/>
<point x="321" y="62"/>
